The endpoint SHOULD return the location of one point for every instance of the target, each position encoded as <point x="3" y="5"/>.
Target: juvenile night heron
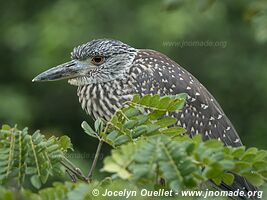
<point x="108" y="73"/>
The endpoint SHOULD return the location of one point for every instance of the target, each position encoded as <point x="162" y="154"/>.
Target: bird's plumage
<point x="127" y="71"/>
<point x="202" y="113"/>
<point x="153" y="73"/>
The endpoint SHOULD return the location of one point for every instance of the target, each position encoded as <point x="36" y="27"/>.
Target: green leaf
<point x="174" y="131"/>
<point x="164" y="102"/>
<point x="262" y="154"/>
<point x="190" y="147"/>
<point x="155" y="114"/>
<point x="121" y="140"/>
<point x="238" y="152"/>
<point x="214" y="170"/>
<point x="212" y="143"/>
<point x="249" y="157"/>
<point x="154" y="101"/>
<point x="176" y="104"/>
<point x="141" y="119"/>
<point x="227" y="164"/>
<point x="64" y="143"/>
<point x="251" y="150"/>
<point x="145" y="100"/>
<point x="130" y="124"/>
<point x="253" y="178"/>
<point x="264" y="174"/>
<point x="31" y="170"/>
<point x="217" y="180"/>
<point x="6" y="127"/>
<point x="165" y="122"/>
<point x="170" y="169"/>
<point x="260" y="165"/>
<point x="111" y="166"/>
<point x="139" y="131"/>
<point x="87" y="128"/>
<point x="228" y="178"/>
<point x="120" y="160"/>
<point x="36" y="182"/>
<point x="187" y="167"/>
<point x="99" y="125"/>
<point x="152" y="129"/>
<point x="242" y="166"/>
<point x="131" y="112"/>
<point x="183" y="96"/>
<point x="136" y="98"/>
<point x="112" y="135"/>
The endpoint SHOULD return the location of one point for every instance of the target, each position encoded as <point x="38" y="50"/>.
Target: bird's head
<point x="97" y="61"/>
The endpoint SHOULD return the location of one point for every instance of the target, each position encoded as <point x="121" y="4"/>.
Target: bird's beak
<point x="64" y="71"/>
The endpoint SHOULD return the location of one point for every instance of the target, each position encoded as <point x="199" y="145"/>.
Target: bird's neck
<point x="103" y="99"/>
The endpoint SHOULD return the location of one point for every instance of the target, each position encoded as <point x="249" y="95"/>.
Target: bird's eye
<point x="98" y="60"/>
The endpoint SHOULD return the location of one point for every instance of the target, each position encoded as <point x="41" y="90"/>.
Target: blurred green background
<point x="222" y="43"/>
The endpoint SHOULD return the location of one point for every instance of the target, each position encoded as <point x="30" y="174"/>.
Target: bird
<point x="109" y="72"/>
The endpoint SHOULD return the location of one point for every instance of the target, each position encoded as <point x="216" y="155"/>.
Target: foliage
<point x="254" y="12"/>
<point x="77" y="191"/>
<point x="180" y="162"/>
<point x="133" y="120"/>
<point x="23" y="155"/>
<point x="164" y="151"/>
<point x="150" y="152"/>
<point x="57" y="191"/>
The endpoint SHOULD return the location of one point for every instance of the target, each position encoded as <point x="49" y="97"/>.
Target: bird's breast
<point x="103" y="99"/>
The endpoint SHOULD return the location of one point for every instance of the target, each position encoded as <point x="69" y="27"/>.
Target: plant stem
<point x="90" y="174"/>
<point x="74" y="171"/>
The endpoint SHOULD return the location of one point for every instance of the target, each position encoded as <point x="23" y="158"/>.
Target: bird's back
<point x="202" y="114"/>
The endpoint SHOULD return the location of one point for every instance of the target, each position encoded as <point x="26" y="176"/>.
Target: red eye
<point x="98" y="60"/>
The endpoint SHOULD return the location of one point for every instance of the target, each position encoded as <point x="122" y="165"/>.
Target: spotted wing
<point x="202" y="114"/>
<point x="157" y="74"/>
